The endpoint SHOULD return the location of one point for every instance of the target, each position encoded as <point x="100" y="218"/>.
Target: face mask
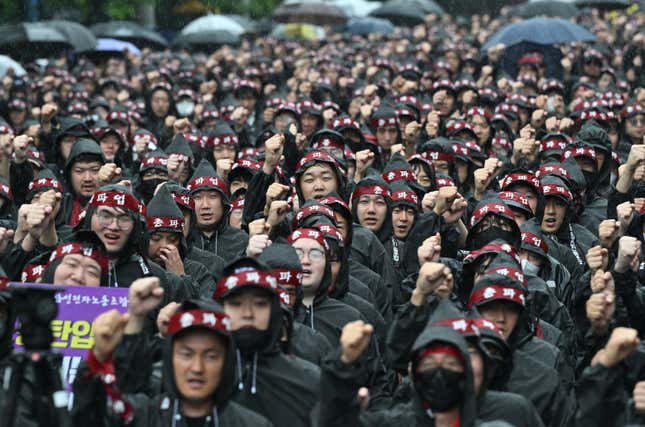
<point x="185" y="108"/>
<point x="148" y="187"/>
<point x="250" y="340"/>
<point x="482" y="238"/>
<point x="529" y="268"/>
<point x="440" y="388"/>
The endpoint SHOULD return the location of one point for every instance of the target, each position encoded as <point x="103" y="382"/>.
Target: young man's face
<point x="160" y="240"/>
<point x="78" y="270"/>
<point x="527" y="192"/>
<point x="224" y="151"/>
<point x="386" y="136"/>
<point x="371" y="211"/>
<point x="402" y="221"/>
<point x="209" y="208"/>
<point x="555" y="211"/>
<point x="66" y="144"/>
<point x="85" y="178"/>
<point x="503" y="313"/>
<point x="198" y="358"/>
<point x="318" y="181"/>
<point x="313" y="259"/>
<point x="309" y="124"/>
<point x="109" y="146"/>
<point x="249" y="308"/>
<point x="113" y="226"/>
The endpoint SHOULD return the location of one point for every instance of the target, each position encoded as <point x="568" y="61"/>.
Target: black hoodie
<point x="90" y="406"/>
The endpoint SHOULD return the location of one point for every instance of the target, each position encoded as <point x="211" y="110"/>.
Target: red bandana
<point x="399" y="175"/>
<point x="491" y="208"/>
<point x="287" y="277"/>
<point x="556" y="190"/>
<point x="115" y="199"/>
<point x="79" y="249"/>
<point x="207" y="319"/>
<point x="207" y="182"/>
<point x="496" y="292"/>
<point x="375" y="190"/>
<point x="536" y="241"/>
<point x="309" y="233"/>
<point x="157" y="222"/>
<point x="251" y="277"/>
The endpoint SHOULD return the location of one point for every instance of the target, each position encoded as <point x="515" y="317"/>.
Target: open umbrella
<point x="369" y="25"/>
<point x="130" y="32"/>
<point x="544" y="31"/>
<point x="406" y="12"/>
<point x="604" y="4"/>
<point x="212" y="22"/>
<point x="356" y="8"/>
<point x="110" y="48"/>
<point x="6" y="63"/>
<point x="77" y="35"/>
<point x="311" y="12"/>
<point x="32" y="40"/>
<point x="557" y="9"/>
<point x="206" y="40"/>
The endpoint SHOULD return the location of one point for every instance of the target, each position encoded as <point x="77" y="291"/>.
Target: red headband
<point x="515" y="197"/>
<point x="491" y="208"/>
<point x="373" y="190"/>
<point x="307" y="211"/>
<point x="330" y="231"/>
<point x="553" y="144"/>
<point x="79" y="249"/>
<point x="345" y="121"/>
<point x="496" y="292"/>
<point x="444" y="182"/>
<point x="251" y="277"/>
<point x="579" y="152"/>
<point x="556" y="190"/>
<point x="287" y="277"/>
<point x="405" y="196"/>
<point x="309" y="233"/>
<point x="117" y="115"/>
<point x="463" y="326"/>
<point x="520" y="177"/>
<point x="206" y="182"/>
<point x="555" y="170"/>
<point x="439" y="155"/>
<point x="191" y="318"/>
<point x="45" y="183"/>
<point x="536" y="241"/>
<point x="32" y="273"/>
<point x="326" y="142"/>
<point x="315" y="156"/>
<point x="157" y="222"/>
<point x="399" y="175"/>
<point x="493" y="248"/>
<point x="238" y="203"/>
<point x="116" y="199"/>
<point x="154" y="161"/>
<point x="214" y="141"/>
<point x="482" y="323"/>
<point x="247" y="164"/>
<point x="184" y="200"/>
<point x="511" y="272"/>
<point x="436" y="348"/>
<point x="385" y="121"/>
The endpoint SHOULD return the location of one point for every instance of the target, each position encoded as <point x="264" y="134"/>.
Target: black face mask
<point x="590" y="178"/>
<point x="250" y="340"/>
<point x="442" y="389"/>
<point x="148" y="187"/>
<point x="482" y="238"/>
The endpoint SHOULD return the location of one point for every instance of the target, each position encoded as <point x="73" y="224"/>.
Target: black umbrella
<point x="557" y="9"/>
<point x="32" y="40"/>
<point x="604" y="4"/>
<point x="311" y="12"/>
<point x="406" y="12"/>
<point x="206" y="40"/>
<point x="77" y="35"/>
<point x="131" y="32"/>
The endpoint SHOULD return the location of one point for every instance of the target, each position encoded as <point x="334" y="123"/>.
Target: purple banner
<point x="78" y="306"/>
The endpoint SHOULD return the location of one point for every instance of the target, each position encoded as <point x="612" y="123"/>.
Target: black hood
<point x="227" y="381"/>
<point x="492" y="198"/>
<point x="163" y="205"/>
<point x="282" y="256"/>
<point x="432" y="334"/>
<point x="592" y="135"/>
<point x="83" y="150"/>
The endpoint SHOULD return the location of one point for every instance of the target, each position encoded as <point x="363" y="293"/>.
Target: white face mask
<point x="185" y="108"/>
<point x="529" y="268"/>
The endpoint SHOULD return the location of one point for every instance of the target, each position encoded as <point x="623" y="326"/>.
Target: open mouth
<point x="196" y="384"/>
<point x="111" y="238"/>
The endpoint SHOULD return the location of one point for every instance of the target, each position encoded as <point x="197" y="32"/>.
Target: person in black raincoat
<point x="81" y="178"/>
<point x="153" y="170"/>
<point x="160" y="104"/>
<point x="302" y="341"/>
<point x="212" y="206"/>
<point x="166" y="244"/>
<point x="443" y="387"/>
<point x="199" y="371"/>
<point x="284" y="389"/>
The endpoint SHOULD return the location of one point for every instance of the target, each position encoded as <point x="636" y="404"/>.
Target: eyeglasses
<point x="314" y="254"/>
<point x="124" y="222"/>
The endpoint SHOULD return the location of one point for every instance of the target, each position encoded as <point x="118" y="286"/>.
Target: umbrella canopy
<point x="369" y="25"/>
<point x="210" y="23"/>
<point x="357" y="8"/>
<point x="557" y="9"/>
<point x="6" y="63"/>
<point x="544" y="31"/>
<point x="77" y="35"/>
<point x="130" y="32"/>
<point x="604" y="4"/>
<point x="245" y="22"/>
<point x="32" y="40"/>
<point x="206" y="40"/>
<point x="406" y="12"/>
<point x="297" y="31"/>
<point x="114" y="45"/>
<point x="311" y="12"/>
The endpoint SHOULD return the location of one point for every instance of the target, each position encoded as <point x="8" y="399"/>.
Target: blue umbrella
<point x="114" y="45"/>
<point x="544" y="31"/>
<point x="369" y="25"/>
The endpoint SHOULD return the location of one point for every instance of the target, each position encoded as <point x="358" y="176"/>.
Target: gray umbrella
<point x="556" y="9"/>
<point x="131" y="32"/>
<point x="206" y="40"/>
<point x="604" y="4"/>
<point x="406" y="12"/>
<point x="32" y="40"/>
<point x="77" y="35"/>
<point x="311" y="12"/>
